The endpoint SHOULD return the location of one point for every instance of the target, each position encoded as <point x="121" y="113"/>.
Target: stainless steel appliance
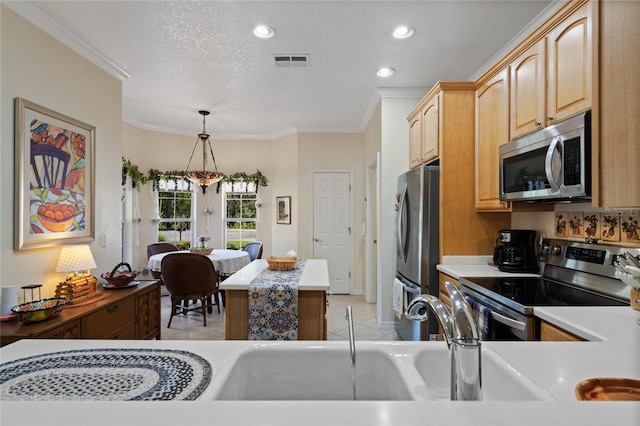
<point x="515" y="251"/>
<point x="551" y="164"/>
<point x="575" y="274"/>
<point x="418" y="245"/>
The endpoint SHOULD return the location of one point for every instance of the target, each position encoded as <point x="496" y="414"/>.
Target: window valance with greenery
<point x="131" y="171"/>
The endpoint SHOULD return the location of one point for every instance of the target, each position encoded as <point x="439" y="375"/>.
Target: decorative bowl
<point x="39" y="310"/>
<point x="120" y="278"/>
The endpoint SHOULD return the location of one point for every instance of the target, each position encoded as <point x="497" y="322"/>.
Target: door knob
<point x="317" y="240"/>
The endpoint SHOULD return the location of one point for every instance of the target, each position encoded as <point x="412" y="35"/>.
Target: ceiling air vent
<point x="291" y="60"/>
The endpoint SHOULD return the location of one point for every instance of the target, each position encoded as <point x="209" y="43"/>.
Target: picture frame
<point x="55" y="178"/>
<point x="283" y="210"/>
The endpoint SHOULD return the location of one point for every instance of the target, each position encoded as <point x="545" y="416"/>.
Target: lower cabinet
<point x="552" y="333"/>
<point x="127" y="314"/>
<point x="312" y="318"/>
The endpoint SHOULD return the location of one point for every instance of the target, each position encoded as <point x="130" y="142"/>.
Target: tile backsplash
<point x="602" y="226"/>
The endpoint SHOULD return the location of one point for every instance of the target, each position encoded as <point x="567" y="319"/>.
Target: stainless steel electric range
<point x="574" y="274"/>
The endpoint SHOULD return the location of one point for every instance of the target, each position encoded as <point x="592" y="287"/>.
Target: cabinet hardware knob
<point x="550" y="118"/>
<point x="538" y="124"/>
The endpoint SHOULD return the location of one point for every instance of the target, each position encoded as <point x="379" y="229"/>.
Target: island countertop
<point x="555" y="366"/>
<point x="315" y="276"/>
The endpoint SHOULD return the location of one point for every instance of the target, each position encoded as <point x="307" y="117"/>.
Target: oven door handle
<point x="518" y="325"/>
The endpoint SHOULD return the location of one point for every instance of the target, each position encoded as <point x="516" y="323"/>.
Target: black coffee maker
<point x="515" y="251"/>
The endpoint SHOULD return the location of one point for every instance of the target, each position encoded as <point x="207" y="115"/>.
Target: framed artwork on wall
<point x="283" y="210"/>
<point x="54" y="169"/>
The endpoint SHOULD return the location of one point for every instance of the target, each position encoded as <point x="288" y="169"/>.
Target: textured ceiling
<point x="176" y="58"/>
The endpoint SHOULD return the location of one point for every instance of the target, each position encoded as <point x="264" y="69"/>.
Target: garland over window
<point x="131" y="171"/>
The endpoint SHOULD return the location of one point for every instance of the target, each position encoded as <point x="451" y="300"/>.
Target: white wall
<point x="395" y="161"/>
<point x="38" y="68"/>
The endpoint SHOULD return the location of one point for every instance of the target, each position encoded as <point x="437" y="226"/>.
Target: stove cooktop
<point x="523" y="294"/>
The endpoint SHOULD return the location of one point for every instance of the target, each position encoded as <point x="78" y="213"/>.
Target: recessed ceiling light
<point x="263" y="31"/>
<point x="385" y="72"/>
<point x="403" y="32"/>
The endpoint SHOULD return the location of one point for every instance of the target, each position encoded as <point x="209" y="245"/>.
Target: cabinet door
<point x="415" y="141"/>
<point x="147" y="314"/>
<point x="617" y="144"/>
<point x="569" y="66"/>
<point x="492" y="130"/>
<point x="527" y="87"/>
<point x="430" y="129"/>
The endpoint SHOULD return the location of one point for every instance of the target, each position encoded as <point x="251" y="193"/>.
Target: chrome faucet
<point x="352" y="349"/>
<point x="461" y="333"/>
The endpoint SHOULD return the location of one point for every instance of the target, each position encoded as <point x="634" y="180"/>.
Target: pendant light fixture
<point x="203" y="178"/>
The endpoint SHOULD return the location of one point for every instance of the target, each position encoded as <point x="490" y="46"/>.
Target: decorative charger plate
<point x="106" y="375"/>
<point x="119" y="287"/>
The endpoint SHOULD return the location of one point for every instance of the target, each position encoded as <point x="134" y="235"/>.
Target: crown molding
<point x="32" y="14"/>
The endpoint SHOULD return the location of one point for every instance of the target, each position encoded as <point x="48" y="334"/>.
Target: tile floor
<point x="190" y="327"/>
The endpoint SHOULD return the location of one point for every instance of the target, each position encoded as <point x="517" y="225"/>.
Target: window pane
<point x="233" y="208"/>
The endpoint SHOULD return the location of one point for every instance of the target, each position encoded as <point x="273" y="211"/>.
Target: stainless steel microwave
<point x="551" y="164"/>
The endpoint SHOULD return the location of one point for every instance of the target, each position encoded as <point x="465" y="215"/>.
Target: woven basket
<point x="281" y="263"/>
<point x="204" y="251"/>
<point x="120" y="278"/>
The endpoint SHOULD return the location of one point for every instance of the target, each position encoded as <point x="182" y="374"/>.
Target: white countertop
<point x="555" y="366"/>
<point x="474" y="266"/>
<point x="315" y="276"/>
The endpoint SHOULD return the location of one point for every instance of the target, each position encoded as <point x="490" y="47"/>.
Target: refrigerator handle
<point x="399" y="237"/>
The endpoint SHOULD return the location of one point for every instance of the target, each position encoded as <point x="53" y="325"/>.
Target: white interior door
<point x="332" y="227"/>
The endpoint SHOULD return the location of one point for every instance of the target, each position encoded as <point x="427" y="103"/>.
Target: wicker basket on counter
<point x="281" y="263"/>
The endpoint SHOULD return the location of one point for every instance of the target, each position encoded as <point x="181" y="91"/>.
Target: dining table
<point x="226" y="262"/>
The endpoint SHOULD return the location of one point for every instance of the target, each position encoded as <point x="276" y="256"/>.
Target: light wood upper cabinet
<point x="424" y="131"/>
<point x="569" y="66"/>
<point x="430" y="129"/>
<point x="492" y="130"/>
<point x="528" y="91"/>
<point x="415" y="140"/>
<point x="616" y="164"/>
<point x="552" y="79"/>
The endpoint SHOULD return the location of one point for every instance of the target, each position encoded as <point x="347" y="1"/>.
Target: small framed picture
<point x="283" y="210"/>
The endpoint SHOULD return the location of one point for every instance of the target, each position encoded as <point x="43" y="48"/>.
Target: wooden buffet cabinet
<point x="132" y="313"/>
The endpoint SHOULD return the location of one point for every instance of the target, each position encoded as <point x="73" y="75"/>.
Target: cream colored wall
<point x="38" y="68"/>
<point x="284" y="180"/>
<point x="331" y="152"/>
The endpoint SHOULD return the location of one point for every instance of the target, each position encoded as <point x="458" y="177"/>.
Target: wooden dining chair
<point x="156" y="248"/>
<point x="189" y="276"/>
<point x="254" y="249"/>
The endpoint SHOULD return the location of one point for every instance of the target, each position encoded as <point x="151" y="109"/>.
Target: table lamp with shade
<point x="77" y="261"/>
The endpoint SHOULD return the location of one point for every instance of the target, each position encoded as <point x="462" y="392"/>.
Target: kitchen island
<point x="312" y="300"/>
<point x="555" y="366"/>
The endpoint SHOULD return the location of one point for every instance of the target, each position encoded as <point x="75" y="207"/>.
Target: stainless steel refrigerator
<point x="418" y="245"/>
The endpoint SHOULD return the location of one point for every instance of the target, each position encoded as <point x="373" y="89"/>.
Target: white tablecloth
<point x="225" y="261"/>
